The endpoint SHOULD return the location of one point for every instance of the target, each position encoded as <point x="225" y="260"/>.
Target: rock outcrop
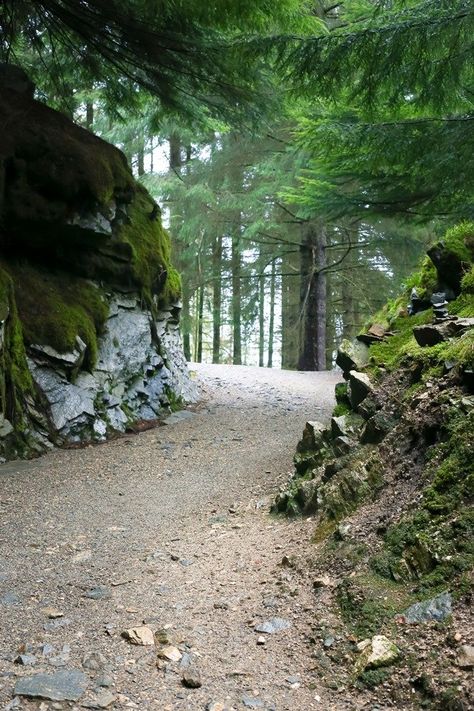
<point x="389" y="486"/>
<point x="89" y="300"/>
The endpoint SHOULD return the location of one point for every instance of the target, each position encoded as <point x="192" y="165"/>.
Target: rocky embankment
<point x="89" y="300"/>
<point x="390" y="485"/>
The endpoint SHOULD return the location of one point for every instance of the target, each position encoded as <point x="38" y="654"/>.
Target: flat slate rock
<point x="437" y="609"/>
<point x="276" y="624"/>
<point x="179" y="417"/>
<point x="62" y="686"/>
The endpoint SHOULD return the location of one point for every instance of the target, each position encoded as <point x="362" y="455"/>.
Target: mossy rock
<point x="54" y="309"/>
<point x="16" y="385"/>
<point x="71" y="203"/>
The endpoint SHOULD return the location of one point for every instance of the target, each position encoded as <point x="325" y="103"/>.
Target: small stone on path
<point x="276" y="624"/>
<point x="465" y="658"/>
<point x="62" y="686"/>
<point x="191" y="678"/>
<point x="251" y="702"/>
<point x="170" y="653"/>
<point x="142" y="636"/>
<point x="95" y="661"/>
<point x="101" y="592"/>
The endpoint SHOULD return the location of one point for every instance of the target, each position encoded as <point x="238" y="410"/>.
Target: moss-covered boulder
<point x="89" y="313"/>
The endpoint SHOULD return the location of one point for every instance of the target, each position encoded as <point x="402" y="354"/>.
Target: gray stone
<point x="360" y="387"/>
<point x="251" y="702"/>
<point x="69" y="360"/>
<point x="436" y="608"/>
<point x="352" y="355"/>
<point x="465" y="658"/>
<point x="376" y="428"/>
<point x="26" y="660"/>
<point x="6" y="427"/>
<point x="339" y="426"/>
<point x="10" y="598"/>
<point x="191" y="677"/>
<point x="180" y="416"/>
<point x="343" y="445"/>
<point x="313" y="437"/>
<point x="61" y="686"/>
<point x="429" y="335"/>
<point x="101" y="592"/>
<point x="103" y="700"/>
<point x="274" y="625"/>
<point x="95" y="661"/>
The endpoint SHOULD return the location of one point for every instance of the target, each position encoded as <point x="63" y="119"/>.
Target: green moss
<point x="173" y="286"/>
<point x="367" y="603"/>
<point x="460" y="240"/>
<point x="15" y="378"/>
<point x="55" y="308"/>
<point x="424" y="280"/>
<point x="434" y="544"/>
<point x="391" y="351"/>
<point x="467" y="282"/>
<point x="372" y="678"/>
<point x="150" y="245"/>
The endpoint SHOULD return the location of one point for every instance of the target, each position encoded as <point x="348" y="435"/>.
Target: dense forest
<point x="304" y="155"/>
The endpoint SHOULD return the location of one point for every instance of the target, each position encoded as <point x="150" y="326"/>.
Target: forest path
<point x="169" y="527"/>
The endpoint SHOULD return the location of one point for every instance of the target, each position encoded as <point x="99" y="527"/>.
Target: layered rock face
<point x="89" y="301"/>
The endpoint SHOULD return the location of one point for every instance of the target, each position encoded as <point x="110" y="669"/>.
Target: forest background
<point x="304" y="152"/>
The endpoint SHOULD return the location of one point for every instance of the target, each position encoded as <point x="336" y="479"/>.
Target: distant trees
<point x="307" y="144"/>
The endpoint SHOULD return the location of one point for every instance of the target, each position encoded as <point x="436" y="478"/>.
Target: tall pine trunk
<point x="313" y="299"/>
<point x="236" y="267"/>
<point x="216" y="299"/>
<point x="271" y="324"/>
<point x="261" y="320"/>
<point x="290" y="306"/>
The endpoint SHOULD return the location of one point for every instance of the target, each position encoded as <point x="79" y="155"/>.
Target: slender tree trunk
<point x="186" y="322"/>
<point x="200" y="316"/>
<point x="236" y="299"/>
<point x="261" y="320"/>
<point x="313" y="299"/>
<point x="152" y="157"/>
<point x="141" y="159"/>
<point x="90" y="115"/>
<point x="216" y="299"/>
<point x="271" y="325"/>
<point x="290" y="310"/>
<point x="175" y="151"/>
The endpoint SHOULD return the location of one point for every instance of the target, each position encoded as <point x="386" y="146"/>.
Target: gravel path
<point x="169" y="528"/>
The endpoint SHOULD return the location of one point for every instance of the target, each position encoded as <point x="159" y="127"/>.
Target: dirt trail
<point x="170" y="528"/>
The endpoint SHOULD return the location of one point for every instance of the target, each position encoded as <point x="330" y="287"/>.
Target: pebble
<point x="261" y="640"/>
<point x="95" y="661"/>
<point x="191" y="678"/>
<point x="465" y="658"/>
<point x="276" y="624"/>
<point x="101" y="592"/>
<point x="141" y="636"/>
<point x="52" y="613"/>
<point x="251" y="702"/>
<point x="170" y="653"/>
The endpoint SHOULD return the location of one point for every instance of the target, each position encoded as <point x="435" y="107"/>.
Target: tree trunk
<point x="236" y="300"/>
<point x="200" y="315"/>
<point x="90" y="115"/>
<point x="261" y="320"/>
<point x="175" y="151"/>
<point x="216" y="299"/>
<point x="271" y="325"/>
<point x="313" y="299"/>
<point x="141" y="159"/>
<point x="290" y="310"/>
